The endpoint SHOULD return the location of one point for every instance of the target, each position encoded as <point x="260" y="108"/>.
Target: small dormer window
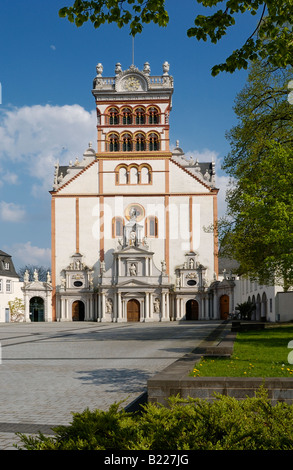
<point x="6" y="266"/>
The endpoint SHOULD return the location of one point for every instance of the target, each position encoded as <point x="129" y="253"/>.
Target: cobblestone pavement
<point x="50" y="370"/>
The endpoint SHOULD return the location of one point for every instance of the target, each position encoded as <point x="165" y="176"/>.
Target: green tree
<point x="271" y="38"/>
<point x="258" y="229"/>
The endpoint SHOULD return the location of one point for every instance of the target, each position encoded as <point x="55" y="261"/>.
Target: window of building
<point x="153" y="115"/>
<point x="113" y="143"/>
<point x="127" y="116"/>
<point x="140" y="116"/>
<point x="113" y="116"/>
<point x="140" y="142"/>
<point x="6" y="266"/>
<point x="8" y="286"/>
<point x="127" y="142"/>
<point x="154" y="142"/>
<point x="151" y="227"/>
<point x="133" y="175"/>
<point x="145" y="175"/>
<point x="117" y="227"/>
<point x="122" y="175"/>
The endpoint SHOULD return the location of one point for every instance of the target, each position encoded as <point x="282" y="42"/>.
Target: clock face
<point x="131" y="83"/>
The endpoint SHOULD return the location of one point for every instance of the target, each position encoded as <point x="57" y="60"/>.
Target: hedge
<point x="193" y="424"/>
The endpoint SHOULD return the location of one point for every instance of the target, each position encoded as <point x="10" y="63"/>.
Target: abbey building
<point x="128" y="219"/>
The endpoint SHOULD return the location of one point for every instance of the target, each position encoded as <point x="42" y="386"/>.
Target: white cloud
<point x="38" y="136"/>
<point x="26" y="253"/>
<point x="10" y="212"/>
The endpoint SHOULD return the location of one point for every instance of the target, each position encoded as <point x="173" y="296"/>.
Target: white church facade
<point x="129" y="238"/>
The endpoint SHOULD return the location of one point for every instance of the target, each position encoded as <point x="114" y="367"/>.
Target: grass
<point x="262" y="353"/>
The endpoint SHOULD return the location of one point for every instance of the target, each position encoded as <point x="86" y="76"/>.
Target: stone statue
<point x="26" y="276"/>
<point x="36" y="275"/>
<point x="132" y="269"/>
<point x="157" y="305"/>
<point x="132" y="237"/>
<point x="109" y="306"/>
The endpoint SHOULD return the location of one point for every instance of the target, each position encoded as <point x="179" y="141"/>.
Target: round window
<point x="77" y="284"/>
<point x="191" y="282"/>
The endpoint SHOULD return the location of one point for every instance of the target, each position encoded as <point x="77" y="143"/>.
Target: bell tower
<point x="133" y="113"/>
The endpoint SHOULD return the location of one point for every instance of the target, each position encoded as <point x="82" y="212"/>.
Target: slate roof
<point x="6" y="259"/>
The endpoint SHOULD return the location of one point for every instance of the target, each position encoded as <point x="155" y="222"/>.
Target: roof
<point x="7" y="268"/>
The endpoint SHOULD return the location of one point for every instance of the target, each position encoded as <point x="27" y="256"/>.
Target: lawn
<point x="261" y="353"/>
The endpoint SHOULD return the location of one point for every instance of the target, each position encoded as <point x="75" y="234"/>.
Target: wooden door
<point x="77" y="311"/>
<point x="224" y="307"/>
<point x="133" y="310"/>
<point x="192" y="310"/>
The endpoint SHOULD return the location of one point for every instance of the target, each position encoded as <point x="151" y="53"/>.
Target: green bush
<point x="193" y="424"/>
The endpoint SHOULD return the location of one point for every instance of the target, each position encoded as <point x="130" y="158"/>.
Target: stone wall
<point x="175" y="379"/>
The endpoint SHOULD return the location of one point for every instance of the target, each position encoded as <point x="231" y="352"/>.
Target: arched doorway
<point x="224" y="307"/>
<point x="133" y="310"/>
<point x="192" y="310"/>
<point x="37" y="309"/>
<point x="78" y="311"/>
<point x="264" y="303"/>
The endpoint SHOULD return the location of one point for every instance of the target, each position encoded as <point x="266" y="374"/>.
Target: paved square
<point x="50" y="370"/>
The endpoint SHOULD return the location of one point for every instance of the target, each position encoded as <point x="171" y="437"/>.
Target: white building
<point x="128" y="220"/>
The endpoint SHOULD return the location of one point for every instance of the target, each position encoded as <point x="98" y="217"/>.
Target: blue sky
<point x="47" y="111"/>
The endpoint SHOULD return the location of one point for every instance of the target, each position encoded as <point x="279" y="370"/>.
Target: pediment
<point x="132" y="283"/>
<point x="134" y="250"/>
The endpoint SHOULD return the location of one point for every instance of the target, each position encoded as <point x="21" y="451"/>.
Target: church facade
<point x="129" y="219"/>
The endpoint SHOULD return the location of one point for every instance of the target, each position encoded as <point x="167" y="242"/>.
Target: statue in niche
<point x="178" y="281"/>
<point x="191" y="263"/>
<point x="157" y="305"/>
<point x="132" y="269"/>
<point x="109" y="306"/>
<point x="132" y="237"/>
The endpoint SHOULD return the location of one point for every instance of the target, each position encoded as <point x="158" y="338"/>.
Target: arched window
<point x="153" y="115"/>
<point x="127" y="143"/>
<point x="140" y="116"/>
<point x="140" y="142"/>
<point x="126" y="116"/>
<point x="154" y="142"/>
<point x="151" y="227"/>
<point x="113" y="116"/>
<point x="145" y="175"/>
<point x="117" y="227"/>
<point x="113" y="143"/>
<point x="133" y="175"/>
<point x="122" y="175"/>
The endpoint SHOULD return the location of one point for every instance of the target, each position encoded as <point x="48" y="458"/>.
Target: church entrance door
<point x="133" y="310"/>
<point x="78" y="311"/>
<point x="37" y="309"/>
<point x="192" y="310"/>
<point x="224" y="307"/>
